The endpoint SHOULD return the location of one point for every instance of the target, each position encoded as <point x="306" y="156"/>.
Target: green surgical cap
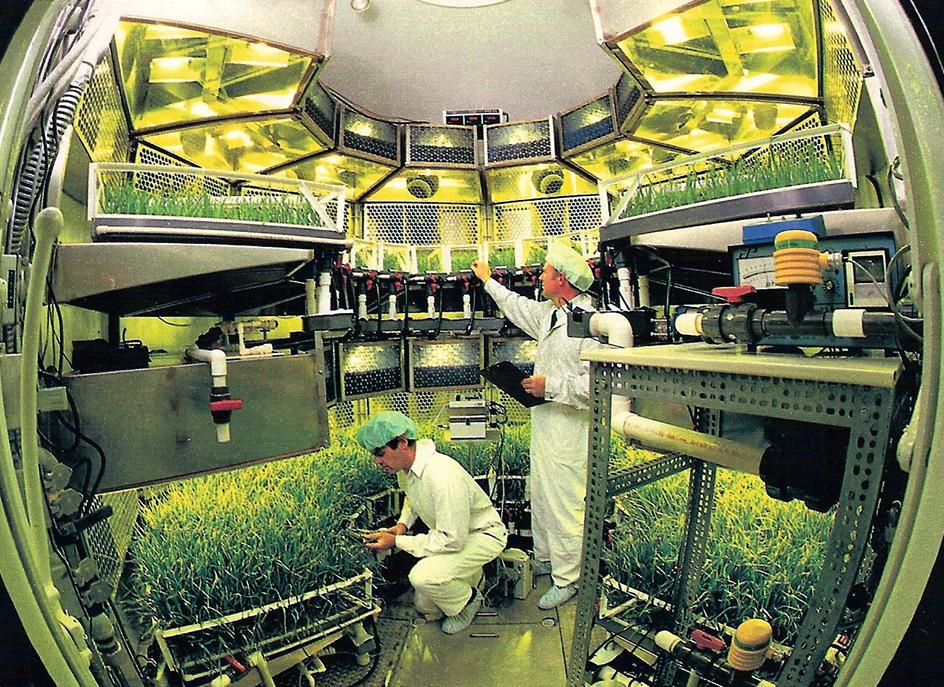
<point x="568" y="261"/>
<point x="383" y="427"/>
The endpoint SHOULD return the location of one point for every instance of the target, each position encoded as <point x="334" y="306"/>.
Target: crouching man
<point x="465" y="531"/>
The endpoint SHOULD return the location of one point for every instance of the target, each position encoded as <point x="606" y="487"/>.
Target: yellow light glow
<point x="768" y="31"/>
<point x="721" y="115"/>
<point x="753" y="83"/>
<point x="674" y="83"/>
<point x="201" y="109"/>
<point x="671" y="30"/>
<point x="259" y="55"/>
<point x="362" y="127"/>
<point x="237" y="137"/>
<point x="176" y="69"/>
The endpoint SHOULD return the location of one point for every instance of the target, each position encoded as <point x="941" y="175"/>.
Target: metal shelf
<point x="852" y="393"/>
<point x="177" y="278"/>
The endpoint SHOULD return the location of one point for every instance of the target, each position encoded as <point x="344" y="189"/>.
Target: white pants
<point x="559" y="488"/>
<point x="443" y="582"/>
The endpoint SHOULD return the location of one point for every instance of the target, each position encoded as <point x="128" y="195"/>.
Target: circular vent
<point x="548" y="181"/>
<point x="422" y="185"/>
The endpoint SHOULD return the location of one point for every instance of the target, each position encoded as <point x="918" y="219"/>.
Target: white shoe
<point x="555" y="596"/>
<point x="541" y="568"/>
<point x="462" y="619"/>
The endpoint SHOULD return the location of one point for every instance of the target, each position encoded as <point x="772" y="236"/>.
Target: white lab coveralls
<point x="465" y="531"/>
<point x="559" y="430"/>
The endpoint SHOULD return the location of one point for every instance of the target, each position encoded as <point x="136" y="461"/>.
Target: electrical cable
<point x="171" y="324"/>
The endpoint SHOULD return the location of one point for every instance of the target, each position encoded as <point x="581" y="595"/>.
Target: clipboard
<point x="507" y="377"/>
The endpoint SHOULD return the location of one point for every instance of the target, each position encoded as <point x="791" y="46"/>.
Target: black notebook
<point x="508" y="378"/>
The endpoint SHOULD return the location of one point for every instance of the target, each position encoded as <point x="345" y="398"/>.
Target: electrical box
<point x="514" y="567"/>
<point x="8" y="280"/>
<point x="841" y="288"/>
<point x="468" y="420"/>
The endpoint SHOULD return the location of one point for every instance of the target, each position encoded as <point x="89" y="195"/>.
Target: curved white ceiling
<point x="410" y="59"/>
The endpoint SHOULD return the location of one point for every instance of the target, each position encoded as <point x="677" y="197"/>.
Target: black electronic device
<point x="97" y="355"/>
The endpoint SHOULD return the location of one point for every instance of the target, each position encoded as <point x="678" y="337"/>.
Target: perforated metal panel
<point x="842" y="76"/>
<point x="587" y="125"/>
<point x="545" y="217"/>
<point x="100" y="119"/>
<point x="369" y="137"/>
<point x="628" y="101"/>
<point x="109" y="539"/>
<point x="369" y="369"/>
<point x="442" y="146"/>
<point x="446" y="363"/>
<point x="320" y="110"/>
<point x="521" y="142"/>
<point x="423" y="223"/>
<point x="175" y="183"/>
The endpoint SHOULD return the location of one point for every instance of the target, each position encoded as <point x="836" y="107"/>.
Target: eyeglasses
<point x="379" y="451"/>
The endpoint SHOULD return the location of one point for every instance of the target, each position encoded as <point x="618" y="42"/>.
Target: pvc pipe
<point x="26" y="571"/>
<point x="662" y="435"/>
<point x="311" y="304"/>
<point x="258" y="661"/>
<point x="217" y="360"/>
<point x="362" y="306"/>
<point x="260" y="349"/>
<point x="49" y="223"/>
<point x="392" y="306"/>
<point x="625" y="277"/>
<point x="324" y="292"/>
<point x="466" y="306"/>
<point x="431" y="306"/>
<point x="644" y="299"/>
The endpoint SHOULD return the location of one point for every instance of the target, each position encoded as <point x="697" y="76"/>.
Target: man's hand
<point x="482" y="270"/>
<point x="534" y="385"/>
<point x="399" y="528"/>
<point x="380" y="541"/>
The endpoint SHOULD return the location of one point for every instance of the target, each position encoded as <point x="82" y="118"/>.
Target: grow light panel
<point x="241" y="146"/>
<point x="319" y="112"/>
<point x="520" y="352"/>
<point x="725" y="46"/>
<point x="357" y="174"/>
<point x="707" y="124"/>
<point x="174" y="74"/>
<point x="431" y="186"/>
<point x="588" y="125"/>
<point x="440" y="146"/>
<point x="445" y="364"/>
<point x="368" y="369"/>
<point x="520" y="142"/>
<point x="545" y="180"/>
<point x="623" y="156"/>
<point x="369" y="137"/>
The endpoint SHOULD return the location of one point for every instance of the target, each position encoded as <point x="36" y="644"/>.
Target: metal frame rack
<point x="851" y="393"/>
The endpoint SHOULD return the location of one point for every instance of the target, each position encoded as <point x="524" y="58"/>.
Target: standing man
<point x="465" y="531"/>
<point x="559" y="429"/>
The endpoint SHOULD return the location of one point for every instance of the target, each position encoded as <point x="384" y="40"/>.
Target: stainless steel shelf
<point x="176" y="278"/>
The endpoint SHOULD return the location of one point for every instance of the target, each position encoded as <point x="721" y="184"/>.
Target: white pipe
<point x="311" y="304"/>
<point x="625" y="277"/>
<point x="644" y="299"/>
<point x="662" y="435"/>
<point x="324" y="292"/>
<point x="392" y="306"/>
<point x="362" y="306"/>
<point x="48" y="225"/>
<point x="431" y="306"/>
<point x="466" y="306"/>
<point x="217" y="360"/>
<point x="259" y="349"/>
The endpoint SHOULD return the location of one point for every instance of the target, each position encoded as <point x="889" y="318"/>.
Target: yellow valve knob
<point x="797" y="259"/>
<point x="750" y="644"/>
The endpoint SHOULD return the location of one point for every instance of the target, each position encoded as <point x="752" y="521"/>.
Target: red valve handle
<point x="734" y="294"/>
<point x="229" y="404"/>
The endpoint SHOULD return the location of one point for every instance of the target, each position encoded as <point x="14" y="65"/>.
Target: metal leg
<point x="595" y="513"/>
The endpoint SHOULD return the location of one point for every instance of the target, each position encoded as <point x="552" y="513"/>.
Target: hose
<point x="40" y="157"/>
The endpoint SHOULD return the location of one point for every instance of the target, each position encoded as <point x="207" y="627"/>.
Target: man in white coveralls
<point x="560" y="428"/>
<point x="465" y="531"/>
